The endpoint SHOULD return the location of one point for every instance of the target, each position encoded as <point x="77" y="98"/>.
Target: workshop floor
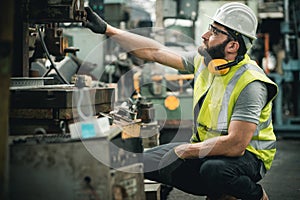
<point x="282" y="182"/>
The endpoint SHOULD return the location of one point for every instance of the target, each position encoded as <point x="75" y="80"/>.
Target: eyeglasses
<point x="216" y="31"/>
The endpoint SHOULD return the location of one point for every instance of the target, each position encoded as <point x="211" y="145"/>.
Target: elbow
<point x="240" y="153"/>
<point x="236" y="151"/>
<point x="236" y="147"/>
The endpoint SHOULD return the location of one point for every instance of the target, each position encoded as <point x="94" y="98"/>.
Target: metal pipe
<point x="286" y="35"/>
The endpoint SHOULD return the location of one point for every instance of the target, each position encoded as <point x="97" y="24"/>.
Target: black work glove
<point x="94" y="22"/>
<point x="168" y="164"/>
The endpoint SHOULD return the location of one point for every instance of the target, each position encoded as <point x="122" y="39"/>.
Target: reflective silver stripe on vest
<point x="199" y="70"/>
<point x="263" y="125"/>
<point x="222" y="118"/>
<point x="263" y="144"/>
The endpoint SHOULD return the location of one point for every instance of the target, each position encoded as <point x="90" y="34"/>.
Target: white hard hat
<point x="238" y="17"/>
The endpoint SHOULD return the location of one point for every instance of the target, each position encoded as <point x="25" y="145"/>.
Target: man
<point x="233" y="143"/>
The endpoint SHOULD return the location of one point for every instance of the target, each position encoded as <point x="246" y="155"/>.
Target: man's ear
<point x="233" y="46"/>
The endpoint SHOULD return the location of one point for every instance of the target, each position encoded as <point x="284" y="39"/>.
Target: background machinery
<point x="169" y="91"/>
<point x="277" y="51"/>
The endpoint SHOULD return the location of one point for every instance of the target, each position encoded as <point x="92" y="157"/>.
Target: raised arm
<point x="142" y="47"/>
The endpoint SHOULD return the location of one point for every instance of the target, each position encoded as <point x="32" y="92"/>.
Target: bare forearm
<point x="218" y="146"/>
<point x="233" y="144"/>
<point x="145" y="48"/>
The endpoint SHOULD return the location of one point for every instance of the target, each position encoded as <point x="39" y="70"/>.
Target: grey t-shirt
<point x="251" y="100"/>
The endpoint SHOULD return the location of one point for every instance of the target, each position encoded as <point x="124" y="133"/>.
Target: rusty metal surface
<point x="71" y="170"/>
<point x="131" y="182"/>
<point x="55" y="171"/>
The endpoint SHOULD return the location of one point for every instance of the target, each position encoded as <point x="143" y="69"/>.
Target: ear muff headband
<point x="222" y="66"/>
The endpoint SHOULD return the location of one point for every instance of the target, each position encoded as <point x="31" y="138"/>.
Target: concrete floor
<point x="282" y="182"/>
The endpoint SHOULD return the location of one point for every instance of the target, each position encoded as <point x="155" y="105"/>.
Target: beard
<point x="214" y="52"/>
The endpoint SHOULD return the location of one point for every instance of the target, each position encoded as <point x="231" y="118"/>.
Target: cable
<point x="49" y="58"/>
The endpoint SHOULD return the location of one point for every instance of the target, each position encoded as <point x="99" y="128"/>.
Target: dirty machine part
<point x="51" y="169"/>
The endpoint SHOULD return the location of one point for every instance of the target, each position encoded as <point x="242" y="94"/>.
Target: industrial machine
<point x="288" y="123"/>
<point x="282" y="39"/>
<point x="68" y="140"/>
<point x="63" y="168"/>
<point x="45" y="69"/>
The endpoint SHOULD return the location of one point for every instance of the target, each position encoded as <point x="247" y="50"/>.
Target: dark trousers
<point x="211" y="176"/>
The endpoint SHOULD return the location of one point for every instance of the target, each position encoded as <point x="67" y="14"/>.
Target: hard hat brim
<point x="215" y="20"/>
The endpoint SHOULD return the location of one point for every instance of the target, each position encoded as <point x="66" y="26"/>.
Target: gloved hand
<point x="168" y="164"/>
<point x="94" y="22"/>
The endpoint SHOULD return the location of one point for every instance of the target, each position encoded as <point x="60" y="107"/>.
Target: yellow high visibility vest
<point x="219" y="94"/>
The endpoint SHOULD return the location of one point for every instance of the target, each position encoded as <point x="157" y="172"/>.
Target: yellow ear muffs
<point x="218" y="66"/>
<point x="222" y="66"/>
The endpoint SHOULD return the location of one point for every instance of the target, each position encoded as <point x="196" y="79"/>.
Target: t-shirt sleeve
<point x="188" y="61"/>
<point x="250" y="102"/>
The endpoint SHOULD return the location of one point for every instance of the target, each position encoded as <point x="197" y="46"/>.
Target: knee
<point x="212" y="170"/>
